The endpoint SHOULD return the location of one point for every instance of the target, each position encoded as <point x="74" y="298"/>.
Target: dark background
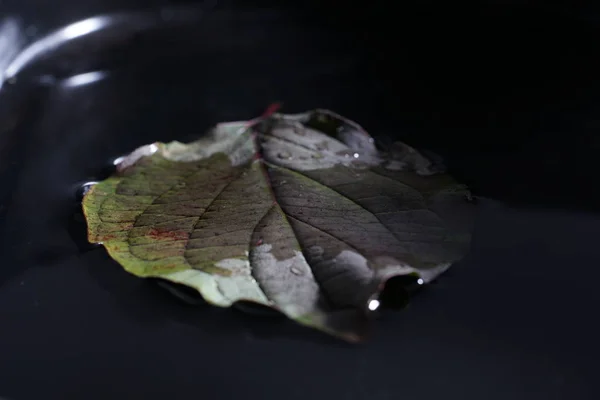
<point x="506" y="93"/>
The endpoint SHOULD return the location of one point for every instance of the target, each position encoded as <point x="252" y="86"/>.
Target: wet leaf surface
<point x="301" y="213"/>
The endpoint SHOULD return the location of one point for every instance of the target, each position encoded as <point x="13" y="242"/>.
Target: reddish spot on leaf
<point x="268" y="112"/>
<point x="272" y="109"/>
<point x="164" y="267"/>
<point x="161" y="233"/>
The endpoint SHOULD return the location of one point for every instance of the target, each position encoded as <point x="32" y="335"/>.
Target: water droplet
<point x="315" y="251"/>
<point x="83" y="189"/>
<point x="322" y="146"/>
<point x="420" y="281"/>
<point x="373" y="305"/>
<point x="399" y="290"/>
<point x="296" y="271"/>
<point x="356" y="155"/>
<point x="299" y="130"/>
<point x="284" y="155"/>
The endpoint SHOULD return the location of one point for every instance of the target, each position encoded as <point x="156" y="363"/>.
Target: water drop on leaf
<point x="83" y="189"/>
<point x="118" y="160"/>
<point x="373" y="305"/>
<point x="284" y="155"/>
<point x="296" y="271"/>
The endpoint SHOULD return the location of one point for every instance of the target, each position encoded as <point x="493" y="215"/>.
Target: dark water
<point x="514" y="320"/>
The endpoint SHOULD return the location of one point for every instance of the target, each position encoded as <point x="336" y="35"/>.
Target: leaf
<point x="301" y="213"/>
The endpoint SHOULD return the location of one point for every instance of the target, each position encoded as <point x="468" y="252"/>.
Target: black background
<point x="507" y="94"/>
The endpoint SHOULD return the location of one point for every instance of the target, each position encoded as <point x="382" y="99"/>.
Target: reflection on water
<point x="52" y="41"/>
<point x="84" y="79"/>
